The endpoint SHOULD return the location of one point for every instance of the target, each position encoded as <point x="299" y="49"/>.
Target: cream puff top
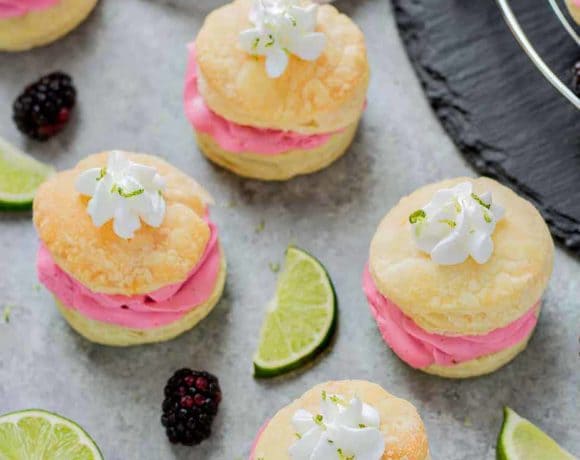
<point x="468" y="298"/>
<point x="319" y="96"/>
<point x="397" y="421"/>
<point x="104" y="262"/>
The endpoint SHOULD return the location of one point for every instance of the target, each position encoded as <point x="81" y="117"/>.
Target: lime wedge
<point x="39" y="435"/>
<point x="521" y="440"/>
<point x="20" y="176"/>
<point x="301" y="318"/>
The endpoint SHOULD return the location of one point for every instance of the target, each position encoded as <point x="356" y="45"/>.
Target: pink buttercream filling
<point x="14" y="8"/>
<point x="158" y="308"/>
<point x="237" y="138"/>
<point x="420" y="348"/>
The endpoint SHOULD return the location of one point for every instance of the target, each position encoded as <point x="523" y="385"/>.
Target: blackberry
<point x="191" y="403"/>
<point x="43" y="109"/>
<point x="576" y="78"/>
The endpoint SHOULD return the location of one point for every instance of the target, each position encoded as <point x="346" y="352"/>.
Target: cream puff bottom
<point x="119" y="336"/>
<point x="574" y="11"/>
<point x="279" y="167"/>
<point x="41" y="27"/>
<point x="479" y="366"/>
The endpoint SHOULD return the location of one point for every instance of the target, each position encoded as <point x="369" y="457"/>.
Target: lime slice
<point x="521" y="440"/>
<point x="20" y="176"/>
<point x="39" y="435"/>
<point x="301" y="319"/>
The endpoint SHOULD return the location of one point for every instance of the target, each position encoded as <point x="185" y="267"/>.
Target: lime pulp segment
<point x="39" y="435"/>
<point x="301" y="318"/>
<point x="519" y="439"/>
<point x="20" y="176"/>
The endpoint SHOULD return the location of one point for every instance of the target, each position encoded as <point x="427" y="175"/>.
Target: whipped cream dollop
<point x="342" y="430"/>
<point x="124" y="191"/>
<point x="283" y="27"/>
<point x="456" y="224"/>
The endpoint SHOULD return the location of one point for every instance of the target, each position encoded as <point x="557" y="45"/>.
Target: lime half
<point x="522" y="440"/>
<point x="20" y="176"/>
<point x="301" y="318"/>
<point x="39" y="435"/>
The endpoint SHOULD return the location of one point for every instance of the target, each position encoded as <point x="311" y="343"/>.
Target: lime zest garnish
<point x="116" y="189"/>
<point x="480" y="201"/>
<point x="341" y="455"/>
<point x="362" y="425"/>
<point x="256" y="43"/>
<point x="130" y="194"/>
<point x="271" y="42"/>
<point x="336" y="400"/>
<point x="102" y="173"/>
<point x="487" y="217"/>
<point x="324" y="395"/>
<point x="449" y="222"/>
<point x="298" y="435"/>
<point x="418" y="216"/>
<point x="319" y="420"/>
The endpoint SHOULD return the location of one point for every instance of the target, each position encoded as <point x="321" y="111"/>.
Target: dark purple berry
<point x="201" y="384"/>
<point x="187" y="402"/>
<point x="191" y="402"/>
<point x="199" y="399"/>
<point x="44" y="108"/>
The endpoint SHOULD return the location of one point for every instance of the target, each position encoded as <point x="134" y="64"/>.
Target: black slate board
<point x="500" y="111"/>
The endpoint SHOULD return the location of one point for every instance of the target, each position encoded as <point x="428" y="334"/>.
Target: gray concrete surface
<point x="128" y="61"/>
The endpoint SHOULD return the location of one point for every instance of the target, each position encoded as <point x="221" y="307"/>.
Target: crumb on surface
<point x="261" y="226"/>
<point x="274" y="267"/>
<point x="6" y="313"/>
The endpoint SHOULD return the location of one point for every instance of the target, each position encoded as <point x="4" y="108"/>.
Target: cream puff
<point x="456" y="274"/>
<point x="350" y="419"/>
<point x="276" y="88"/>
<point x="25" y="24"/>
<point x="574" y="8"/>
<point x="128" y="248"/>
